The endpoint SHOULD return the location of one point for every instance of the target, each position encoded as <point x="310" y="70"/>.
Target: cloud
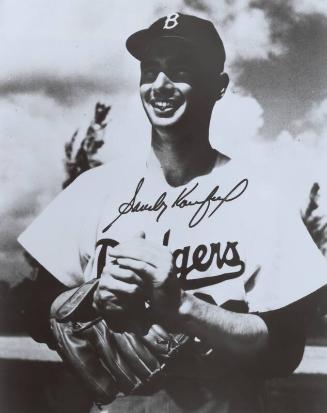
<point x="309" y="6"/>
<point x="65" y="90"/>
<point x="68" y="41"/>
<point x="317" y="117"/>
<point x="295" y="160"/>
<point x="304" y="154"/>
<point x="313" y="128"/>
<point x="236" y="122"/>
<point x="246" y="30"/>
<point x="82" y="44"/>
<point x="287" y="85"/>
<point x="32" y="134"/>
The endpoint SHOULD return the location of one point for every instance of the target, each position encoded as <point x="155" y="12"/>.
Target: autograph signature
<point x="182" y="201"/>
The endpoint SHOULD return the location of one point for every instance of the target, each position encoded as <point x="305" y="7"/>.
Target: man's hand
<point x="118" y="289"/>
<point x="147" y="266"/>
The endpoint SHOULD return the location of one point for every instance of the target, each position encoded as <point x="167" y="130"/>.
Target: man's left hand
<point x="154" y="264"/>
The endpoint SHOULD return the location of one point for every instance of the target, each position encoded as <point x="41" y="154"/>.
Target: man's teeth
<point x="162" y="105"/>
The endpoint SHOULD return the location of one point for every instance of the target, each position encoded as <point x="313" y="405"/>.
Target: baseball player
<point x="217" y="251"/>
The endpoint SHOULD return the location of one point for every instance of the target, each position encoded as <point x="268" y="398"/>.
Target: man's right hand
<point x="119" y="289"/>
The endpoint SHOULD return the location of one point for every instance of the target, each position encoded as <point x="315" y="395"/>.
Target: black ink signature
<point x="181" y="202"/>
<point x="204" y="205"/>
<point x="137" y="206"/>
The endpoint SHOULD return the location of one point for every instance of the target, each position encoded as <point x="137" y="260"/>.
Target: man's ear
<point x="223" y="81"/>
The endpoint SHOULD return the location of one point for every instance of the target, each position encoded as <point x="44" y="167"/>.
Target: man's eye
<point x="181" y="74"/>
<point x="149" y="74"/>
<point x="183" y="70"/>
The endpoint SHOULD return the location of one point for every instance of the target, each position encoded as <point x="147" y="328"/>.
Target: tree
<point x="77" y="160"/>
<point x="314" y="223"/>
<point x="92" y="142"/>
<point x="318" y="231"/>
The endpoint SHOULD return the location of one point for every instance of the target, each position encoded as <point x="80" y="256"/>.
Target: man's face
<point x="169" y="84"/>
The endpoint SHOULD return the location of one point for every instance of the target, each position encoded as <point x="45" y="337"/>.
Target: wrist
<point x="185" y="306"/>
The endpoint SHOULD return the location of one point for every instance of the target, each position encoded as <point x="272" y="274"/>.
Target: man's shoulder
<point x="112" y="173"/>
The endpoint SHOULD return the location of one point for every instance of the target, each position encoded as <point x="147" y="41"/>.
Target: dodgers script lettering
<point x="218" y="261"/>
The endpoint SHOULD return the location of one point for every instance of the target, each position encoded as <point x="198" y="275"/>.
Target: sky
<point x="59" y="58"/>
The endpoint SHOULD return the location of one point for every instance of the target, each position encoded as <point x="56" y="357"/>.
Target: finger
<point x="140" y="267"/>
<point x="113" y="270"/>
<point x="105" y="295"/>
<point x="127" y="275"/>
<point x="136" y="251"/>
<point x="118" y="287"/>
<point x="137" y="236"/>
<point x="110" y="262"/>
<point x="106" y="301"/>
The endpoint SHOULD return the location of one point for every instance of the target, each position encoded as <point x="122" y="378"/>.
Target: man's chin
<point x="167" y="113"/>
<point x="166" y="119"/>
<point x="165" y="122"/>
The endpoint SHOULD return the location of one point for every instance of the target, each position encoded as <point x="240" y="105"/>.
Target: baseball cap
<point x="199" y="33"/>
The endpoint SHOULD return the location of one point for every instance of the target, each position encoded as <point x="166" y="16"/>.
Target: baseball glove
<point x="108" y="361"/>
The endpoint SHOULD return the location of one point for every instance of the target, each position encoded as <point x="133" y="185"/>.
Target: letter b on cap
<point x="171" y="21"/>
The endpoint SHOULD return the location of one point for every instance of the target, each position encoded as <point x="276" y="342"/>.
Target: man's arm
<point x="237" y="336"/>
<point x="268" y="343"/>
<point x="40" y="295"/>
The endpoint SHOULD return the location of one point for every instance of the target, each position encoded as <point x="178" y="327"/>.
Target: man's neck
<point x="182" y="157"/>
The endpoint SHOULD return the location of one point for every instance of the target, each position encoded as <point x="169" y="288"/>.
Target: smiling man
<point x="184" y="229"/>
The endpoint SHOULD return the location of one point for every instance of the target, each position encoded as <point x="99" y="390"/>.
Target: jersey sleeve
<point x="55" y="237"/>
<point x="290" y="265"/>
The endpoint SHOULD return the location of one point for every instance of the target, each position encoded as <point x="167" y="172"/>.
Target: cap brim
<point x="138" y="43"/>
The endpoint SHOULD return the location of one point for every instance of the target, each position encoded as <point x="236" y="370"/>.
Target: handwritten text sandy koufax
<point x="203" y="207"/>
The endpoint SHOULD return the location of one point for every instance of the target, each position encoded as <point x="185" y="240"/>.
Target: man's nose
<point x="163" y="84"/>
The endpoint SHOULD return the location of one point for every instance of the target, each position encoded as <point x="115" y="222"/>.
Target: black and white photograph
<point x="163" y="230"/>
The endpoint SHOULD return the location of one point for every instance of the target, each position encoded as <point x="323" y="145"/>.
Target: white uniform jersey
<point x="234" y="235"/>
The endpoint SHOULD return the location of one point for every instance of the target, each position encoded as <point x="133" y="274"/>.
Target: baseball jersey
<point x="236" y="238"/>
<point x="234" y="234"/>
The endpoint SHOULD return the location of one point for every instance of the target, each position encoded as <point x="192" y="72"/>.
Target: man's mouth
<point x="164" y="107"/>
